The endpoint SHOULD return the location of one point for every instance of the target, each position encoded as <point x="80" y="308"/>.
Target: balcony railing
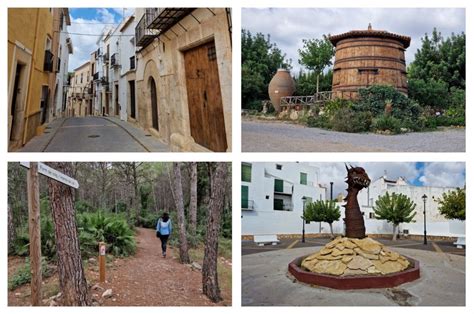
<point x="248" y="205"/>
<point x="114" y="60"/>
<point x="48" y="61"/>
<point x="157" y="21"/>
<point x="104" y="81"/>
<point x="96" y="76"/>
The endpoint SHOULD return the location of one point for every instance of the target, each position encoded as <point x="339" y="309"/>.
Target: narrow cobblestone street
<point x="94" y="134"/>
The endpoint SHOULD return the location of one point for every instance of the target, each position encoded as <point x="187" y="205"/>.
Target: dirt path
<point x="149" y="279"/>
<point x="145" y="279"/>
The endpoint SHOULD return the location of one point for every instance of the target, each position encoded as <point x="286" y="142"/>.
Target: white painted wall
<point x="62" y="76"/>
<point x="263" y="219"/>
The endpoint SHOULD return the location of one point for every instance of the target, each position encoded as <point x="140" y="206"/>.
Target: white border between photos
<point x="236" y="157"/>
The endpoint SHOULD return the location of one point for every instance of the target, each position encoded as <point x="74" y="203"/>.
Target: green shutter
<point x="303" y="178"/>
<point x="245" y="196"/>
<point x="278" y="185"/>
<point x="246" y="173"/>
<point x="277" y="204"/>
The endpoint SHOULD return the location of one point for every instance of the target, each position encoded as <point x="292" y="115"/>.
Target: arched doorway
<point x="154" y="104"/>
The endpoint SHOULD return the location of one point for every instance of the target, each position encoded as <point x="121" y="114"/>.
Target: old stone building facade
<point x="183" y="76"/>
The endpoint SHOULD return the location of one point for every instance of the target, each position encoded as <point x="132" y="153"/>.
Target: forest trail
<point x="148" y="279"/>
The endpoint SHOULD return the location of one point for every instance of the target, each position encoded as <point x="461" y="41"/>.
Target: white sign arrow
<point x="53" y="174"/>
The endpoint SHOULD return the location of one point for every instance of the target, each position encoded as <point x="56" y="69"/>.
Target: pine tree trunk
<point x="394" y="238"/>
<point x="11" y="229"/>
<point x="72" y="280"/>
<point x="210" y="283"/>
<point x="135" y="193"/>
<point x="193" y="199"/>
<point x="178" y="195"/>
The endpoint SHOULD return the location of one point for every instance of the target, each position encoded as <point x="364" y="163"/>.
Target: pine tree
<point x="178" y="196"/>
<point x="396" y="209"/>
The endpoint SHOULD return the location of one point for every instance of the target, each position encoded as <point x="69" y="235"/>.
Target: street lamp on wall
<point x="424" y="197"/>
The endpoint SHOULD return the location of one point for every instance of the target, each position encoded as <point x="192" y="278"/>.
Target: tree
<point x="396" y="209"/>
<point x="260" y="60"/>
<point x="72" y="279"/>
<point x="178" y="198"/>
<point x="452" y="204"/>
<point x="193" y="199"/>
<point x="438" y="70"/>
<point x="210" y="283"/>
<point x="316" y="55"/>
<point x="322" y="211"/>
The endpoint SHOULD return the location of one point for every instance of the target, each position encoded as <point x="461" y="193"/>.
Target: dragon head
<point x="357" y="178"/>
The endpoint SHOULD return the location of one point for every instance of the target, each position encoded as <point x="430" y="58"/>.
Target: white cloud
<point x="433" y="174"/>
<point x="287" y="27"/>
<point x="450" y="174"/>
<point x="84" y="45"/>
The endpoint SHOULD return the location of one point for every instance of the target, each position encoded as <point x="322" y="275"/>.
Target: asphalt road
<point x="263" y="136"/>
<point x="93" y="134"/>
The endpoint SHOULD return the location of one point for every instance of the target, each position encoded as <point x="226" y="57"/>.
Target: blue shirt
<point x="164" y="227"/>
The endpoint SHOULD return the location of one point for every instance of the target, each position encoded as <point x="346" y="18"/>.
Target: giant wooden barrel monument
<point x="368" y="57"/>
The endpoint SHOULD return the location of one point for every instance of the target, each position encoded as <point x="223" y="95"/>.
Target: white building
<point x="65" y="48"/>
<point x="274" y="194"/>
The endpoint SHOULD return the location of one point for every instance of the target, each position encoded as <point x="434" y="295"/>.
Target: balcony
<point x="96" y="76"/>
<point x="248" y="205"/>
<point x="48" y="61"/>
<point x="157" y="21"/>
<point x="97" y="54"/>
<point x="58" y="65"/>
<point x="104" y="81"/>
<point x="114" y="60"/>
<point x="106" y="58"/>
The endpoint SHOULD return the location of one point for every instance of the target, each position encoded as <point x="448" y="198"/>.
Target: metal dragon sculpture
<point x="357" y="179"/>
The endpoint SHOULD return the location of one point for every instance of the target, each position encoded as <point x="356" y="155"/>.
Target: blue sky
<point x="91" y="21"/>
<point x="441" y="174"/>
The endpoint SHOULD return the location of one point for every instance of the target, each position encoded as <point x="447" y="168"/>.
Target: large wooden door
<point x="204" y="97"/>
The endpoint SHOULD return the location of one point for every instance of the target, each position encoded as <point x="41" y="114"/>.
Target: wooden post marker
<point x="102" y="261"/>
<point x="34" y="224"/>
<point x="34" y="228"/>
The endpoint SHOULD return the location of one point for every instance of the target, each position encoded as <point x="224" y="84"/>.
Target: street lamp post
<point x="302" y="217"/>
<point x="424" y="197"/>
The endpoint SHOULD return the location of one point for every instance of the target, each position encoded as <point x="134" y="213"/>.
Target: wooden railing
<point x="318" y="98"/>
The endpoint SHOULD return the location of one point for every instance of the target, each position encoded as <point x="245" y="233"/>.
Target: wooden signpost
<point x="34" y="223"/>
<point x="102" y="250"/>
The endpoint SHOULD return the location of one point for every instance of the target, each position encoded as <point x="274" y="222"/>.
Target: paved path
<point x="262" y="136"/>
<point x="265" y="282"/>
<point x="94" y="134"/>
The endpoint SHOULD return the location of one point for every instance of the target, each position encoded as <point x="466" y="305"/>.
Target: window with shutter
<point x="247" y="172"/>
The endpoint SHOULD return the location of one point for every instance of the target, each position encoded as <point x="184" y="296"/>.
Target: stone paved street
<point x="94" y="134"/>
<point x="265" y="281"/>
<point x="261" y="136"/>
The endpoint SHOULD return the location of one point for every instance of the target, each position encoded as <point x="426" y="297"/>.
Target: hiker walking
<point x="163" y="231"/>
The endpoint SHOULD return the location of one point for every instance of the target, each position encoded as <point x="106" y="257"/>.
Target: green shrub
<point x="375" y="98"/>
<point x="255" y="105"/>
<point x="148" y="220"/>
<point x="318" y="122"/>
<point x="23" y="274"/>
<point x="48" y="242"/>
<point x="388" y="123"/>
<point x="109" y="228"/>
<point x="430" y="92"/>
<point x="333" y="106"/>
<point x="347" y="120"/>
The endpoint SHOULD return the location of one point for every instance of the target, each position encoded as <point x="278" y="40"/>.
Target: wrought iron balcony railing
<point x="114" y="60"/>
